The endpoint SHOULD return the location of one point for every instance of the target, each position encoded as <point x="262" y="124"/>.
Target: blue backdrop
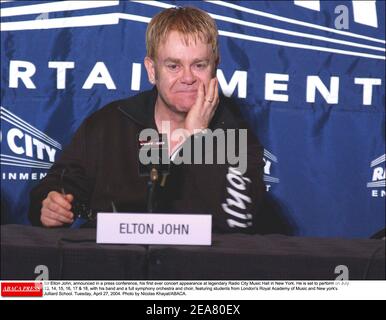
<point x="310" y="79"/>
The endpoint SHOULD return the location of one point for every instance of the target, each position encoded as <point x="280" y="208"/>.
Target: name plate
<point x="149" y="228"/>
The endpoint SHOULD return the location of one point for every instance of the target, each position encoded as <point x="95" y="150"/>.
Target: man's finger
<point x="58" y="209"/>
<point x="58" y="216"/>
<point x="216" y="97"/>
<point x="210" y="95"/>
<point x="69" y="197"/>
<point x="200" y="95"/>
<point x="60" y="200"/>
<point x="48" y="222"/>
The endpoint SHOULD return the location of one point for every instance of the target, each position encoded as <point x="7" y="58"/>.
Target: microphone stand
<point x="151" y="186"/>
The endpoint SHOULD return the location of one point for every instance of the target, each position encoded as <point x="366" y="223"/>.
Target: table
<point x="72" y="254"/>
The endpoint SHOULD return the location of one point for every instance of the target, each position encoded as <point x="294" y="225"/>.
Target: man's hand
<point x="201" y="113"/>
<point x="56" y="208"/>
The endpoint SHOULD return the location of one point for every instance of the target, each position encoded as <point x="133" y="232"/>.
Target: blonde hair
<point x="189" y="22"/>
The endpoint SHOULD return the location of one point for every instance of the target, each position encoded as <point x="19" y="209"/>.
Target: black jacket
<point x="100" y="166"/>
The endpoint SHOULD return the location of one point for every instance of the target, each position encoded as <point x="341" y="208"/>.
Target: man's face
<point x="178" y="70"/>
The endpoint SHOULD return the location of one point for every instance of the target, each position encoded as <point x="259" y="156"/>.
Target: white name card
<point x="149" y="228"/>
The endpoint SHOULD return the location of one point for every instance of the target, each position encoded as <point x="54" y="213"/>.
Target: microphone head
<point x="153" y="153"/>
<point x="153" y="174"/>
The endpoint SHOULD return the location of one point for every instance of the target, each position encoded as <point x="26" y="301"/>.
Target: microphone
<point x="151" y="185"/>
<point x="153" y="162"/>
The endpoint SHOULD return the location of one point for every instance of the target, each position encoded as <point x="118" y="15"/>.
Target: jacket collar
<point x="140" y="108"/>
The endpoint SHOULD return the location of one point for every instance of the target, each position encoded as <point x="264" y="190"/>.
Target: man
<point x="99" y="169"/>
